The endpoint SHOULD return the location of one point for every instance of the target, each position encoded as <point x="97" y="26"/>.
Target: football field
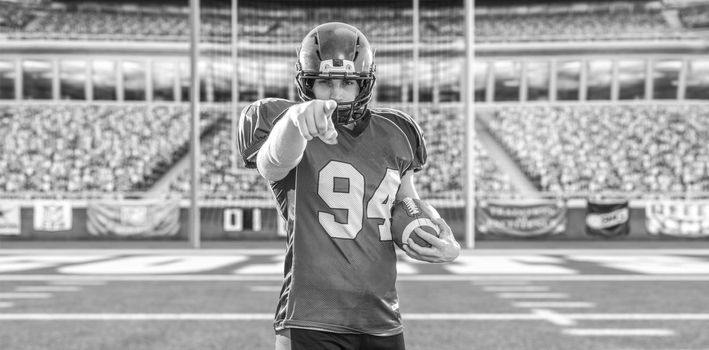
<point x="225" y="299"/>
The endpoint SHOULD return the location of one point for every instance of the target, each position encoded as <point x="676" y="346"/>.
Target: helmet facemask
<point x="347" y="112"/>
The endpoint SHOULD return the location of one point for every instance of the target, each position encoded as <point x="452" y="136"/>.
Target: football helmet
<point x="337" y="51"/>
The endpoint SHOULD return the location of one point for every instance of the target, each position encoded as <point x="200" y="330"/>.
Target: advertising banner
<point x="133" y="218"/>
<point x="678" y="218"/>
<point x="607" y="218"/>
<point x="521" y="218"/>
<point x="52" y="216"/>
<point x="9" y="218"/>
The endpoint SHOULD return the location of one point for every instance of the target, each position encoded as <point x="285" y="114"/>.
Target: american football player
<point x="335" y="167"/>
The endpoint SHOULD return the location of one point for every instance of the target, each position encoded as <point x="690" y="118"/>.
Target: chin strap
<point x="352" y="115"/>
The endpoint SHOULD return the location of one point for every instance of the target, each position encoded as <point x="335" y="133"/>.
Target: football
<point x="408" y="214"/>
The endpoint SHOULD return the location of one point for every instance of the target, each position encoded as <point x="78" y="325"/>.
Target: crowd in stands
<point x="629" y="149"/>
<point x="444" y="175"/>
<point x="695" y="16"/>
<point x="620" y="20"/>
<point x="442" y="178"/>
<point x="89" y="148"/>
<point x="619" y="23"/>
<point x="98" y="148"/>
<point x="91" y="25"/>
<point x="220" y="177"/>
<point x="104" y="148"/>
<point x="13" y="18"/>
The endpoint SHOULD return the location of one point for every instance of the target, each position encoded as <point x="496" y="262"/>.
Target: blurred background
<point x="590" y="118"/>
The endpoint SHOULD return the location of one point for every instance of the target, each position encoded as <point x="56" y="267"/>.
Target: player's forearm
<point x="282" y="150"/>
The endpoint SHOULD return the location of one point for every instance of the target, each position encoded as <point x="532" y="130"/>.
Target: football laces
<point x="411" y="207"/>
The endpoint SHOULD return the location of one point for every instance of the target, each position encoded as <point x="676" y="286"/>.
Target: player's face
<point x="339" y="90"/>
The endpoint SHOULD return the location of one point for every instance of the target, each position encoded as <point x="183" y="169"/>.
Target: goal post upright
<point x="194" y="219"/>
<point x="469" y="112"/>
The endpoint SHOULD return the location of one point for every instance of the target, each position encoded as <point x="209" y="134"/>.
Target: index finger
<point x="328" y="107"/>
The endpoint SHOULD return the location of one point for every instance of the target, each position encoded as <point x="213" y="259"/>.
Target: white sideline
<point x="480" y="279"/>
<point x="516" y="288"/>
<point x="552" y="304"/>
<point x="619" y="332"/>
<point x="554" y="317"/>
<point x="500" y="283"/>
<point x="265" y="251"/>
<point x="532" y="295"/>
<point x="409" y="316"/>
<point x="77" y="283"/>
<point x="25" y="295"/>
<point x="47" y="289"/>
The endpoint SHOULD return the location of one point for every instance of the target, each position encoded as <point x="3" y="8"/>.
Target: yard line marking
<point x="47" y="289"/>
<point x="406" y="316"/>
<point x="19" y="263"/>
<point x="498" y="282"/>
<point x="143" y="251"/>
<point x="469" y="317"/>
<point x="135" y="317"/>
<point x="276" y="268"/>
<point x="532" y="295"/>
<point x="562" y="278"/>
<point x="510" y="265"/>
<point x="77" y="282"/>
<point x="617" y="332"/>
<point x="405" y="278"/>
<point x="154" y="265"/>
<point x="516" y="288"/>
<point x="280" y="251"/>
<point x="661" y="265"/>
<point x="640" y="317"/>
<point x="25" y="295"/>
<point x="552" y="304"/>
<point x="238" y="317"/>
<point x="554" y="317"/>
<point x="4" y="304"/>
<point x="265" y="289"/>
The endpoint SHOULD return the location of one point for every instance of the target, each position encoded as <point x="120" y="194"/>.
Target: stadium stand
<point x="441" y="179"/>
<point x="615" y="21"/>
<point x="90" y="148"/>
<point x="13" y="17"/>
<point x="444" y="177"/>
<point x="695" y="16"/>
<point x="611" y="148"/>
<point x="220" y="178"/>
<point x="603" y="21"/>
<point x="564" y="161"/>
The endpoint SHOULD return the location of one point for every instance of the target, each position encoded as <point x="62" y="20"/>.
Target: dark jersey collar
<point x="360" y="125"/>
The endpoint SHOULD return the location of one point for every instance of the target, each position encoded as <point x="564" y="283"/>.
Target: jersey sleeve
<point x="255" y="123"/>
<point x="416" y="140"/>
